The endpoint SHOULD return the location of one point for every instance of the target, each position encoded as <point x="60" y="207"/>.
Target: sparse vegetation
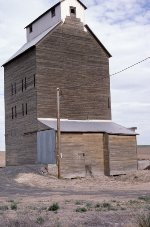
<point x="133" y="202"/>
<point x="89" y="205"/>
<point x="11" y="201"/>
<point x="145" y="198"/>
<point x="54" y="207"/>
<point x="105" y="206"/>
<point x="81" y="209"/>
<point x="13" y="206"/>
<point x="40" y="220"/>
<point x="144" y="220"/>
<point x="82" y="202"/>
<point x="4" y="207"/>
<point x="78" y="202"/>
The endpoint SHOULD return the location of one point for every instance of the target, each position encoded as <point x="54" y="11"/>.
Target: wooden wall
<point x="71" y="59"/>
<point x="82" y="154"/>
<point x="20" y="142"/>
<point x="2" y="158"/>
<point x="122" y="154"/>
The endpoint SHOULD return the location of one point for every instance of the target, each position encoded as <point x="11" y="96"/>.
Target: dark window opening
<point x="15" y="88"/>
<point x="108" y="103"/>
<point x="34" y="79"/>
<point x="26" y="109"/>
<point x="22" y="85"/>
<point x="53" y="12"/>
<point x="12" y="89"/>
<point x="72" y="11"/>
<point x="30" y="28"/>
<point x="12" y="113"/>
<point x="15" y="112"/>
<point x="25" y="83"/>
<point x="22" y="109"/>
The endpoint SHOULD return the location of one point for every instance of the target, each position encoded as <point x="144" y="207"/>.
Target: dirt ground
<point x="31" y="197"/>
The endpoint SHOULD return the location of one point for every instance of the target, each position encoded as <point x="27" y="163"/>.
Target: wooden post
<point x="58" y="132"/>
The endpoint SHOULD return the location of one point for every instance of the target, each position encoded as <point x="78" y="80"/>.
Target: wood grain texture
<point x="2" y="159"/>
<point x="71" y="59"/>
<point x="122" y="154"/>
<point x="21" y="149"/>
<point x="82" y="153"/>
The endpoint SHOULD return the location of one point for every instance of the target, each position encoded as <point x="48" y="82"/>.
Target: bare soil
<point x="27" y="192"/>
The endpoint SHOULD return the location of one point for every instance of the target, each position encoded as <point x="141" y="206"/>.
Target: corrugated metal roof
<point x="30" y="44"/>
<point x="87" y="126"/>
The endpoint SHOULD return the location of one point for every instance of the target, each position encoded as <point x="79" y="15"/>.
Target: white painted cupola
<point x="54" y="15"/>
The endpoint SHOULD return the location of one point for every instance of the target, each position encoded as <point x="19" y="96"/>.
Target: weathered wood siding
<point x="81" y="154"/>
<point x="20" y="136"/>
<point x="106" y="154"/>
<point x="2" y="159"/>
<point x="122" y="154"/>
<point x="70" y="58"/>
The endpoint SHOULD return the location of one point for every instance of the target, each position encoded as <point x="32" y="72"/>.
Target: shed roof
<point x="87" y="126"/>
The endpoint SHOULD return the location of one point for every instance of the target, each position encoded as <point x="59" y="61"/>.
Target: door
<point x="46" y="147"/>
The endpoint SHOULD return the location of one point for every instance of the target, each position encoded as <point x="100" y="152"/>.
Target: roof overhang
<point x="92" y="126"/>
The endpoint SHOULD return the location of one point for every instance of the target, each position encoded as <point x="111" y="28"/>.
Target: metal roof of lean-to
<point x="87" y="126"/>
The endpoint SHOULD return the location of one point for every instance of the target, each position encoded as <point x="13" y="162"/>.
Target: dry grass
<point x="43" y="200"/>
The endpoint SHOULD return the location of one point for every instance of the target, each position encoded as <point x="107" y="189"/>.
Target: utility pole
<point x="58" y="132"/>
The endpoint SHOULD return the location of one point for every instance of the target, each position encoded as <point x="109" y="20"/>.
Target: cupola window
<point x="30" y="28"/>
<point x="73" y="11"/>
<point x="53" y="12"/>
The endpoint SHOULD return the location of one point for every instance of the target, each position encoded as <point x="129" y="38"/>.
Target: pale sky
<point x="123" y="26"/>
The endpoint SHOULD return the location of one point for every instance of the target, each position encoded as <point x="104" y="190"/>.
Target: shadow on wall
<point x="2" y="159"/>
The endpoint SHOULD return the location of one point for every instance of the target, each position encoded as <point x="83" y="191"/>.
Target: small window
<point x="25" y="83"/>
<point x="15" y="88"/>
<point x="34" y="79"/>
<point x="72" y="11"/>
<point x="53" y="12"/>
<point x="15" y="112"/>
<point x="12" y="113"/>
<point x="108" y="103"/>
<point x="12" y="89"/>
<point x="22" y="109"/>
<point x="26" y="109"/>
<point x="22" y="85"/>
<point x="30" y="28"/>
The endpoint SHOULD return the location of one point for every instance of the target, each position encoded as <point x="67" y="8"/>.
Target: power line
<point x="130" y="66"/>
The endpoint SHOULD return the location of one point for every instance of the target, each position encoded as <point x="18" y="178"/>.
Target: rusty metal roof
<point x="87" y="126"/>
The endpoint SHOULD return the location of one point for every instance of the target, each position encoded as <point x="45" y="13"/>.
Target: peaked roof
<point x="99" y="42"/>
<point x="103" y="126"/>
<point x="58" y="3"/>
<point x="30" y="44"/>
<point x="37" y="39"/>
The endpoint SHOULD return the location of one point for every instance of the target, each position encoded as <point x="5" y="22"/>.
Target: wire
<point x="130" y="66"/>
